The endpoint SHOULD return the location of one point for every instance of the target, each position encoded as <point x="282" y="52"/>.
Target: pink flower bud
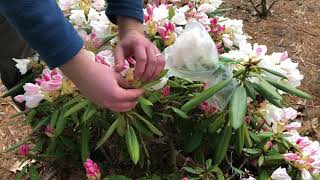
<point x="92" y="170"/>
<point x="291" y="157"/>
<point x="49" y="130"/>
<point x="204" y="106"/>
<point x="165" y="91"/>
<point x="267" y="146"/>
<point x="185" y="178"/>
<point x="247" y="120"/>
<point x="253" y="162"/>
<point x="24" y="149"/>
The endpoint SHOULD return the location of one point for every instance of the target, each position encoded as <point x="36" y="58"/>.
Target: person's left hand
<point x="149" y="60"/>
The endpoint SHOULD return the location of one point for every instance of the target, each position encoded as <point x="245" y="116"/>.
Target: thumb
<point x="122" y="82"/>
<point x="119" y="58"/>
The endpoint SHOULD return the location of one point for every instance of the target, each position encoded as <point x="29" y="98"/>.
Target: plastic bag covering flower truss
<point x="194" y="56"/>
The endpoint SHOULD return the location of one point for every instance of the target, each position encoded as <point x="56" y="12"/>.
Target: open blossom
<point x="23" y="65"/>
<point x="32" y="96"/>
<point x="67" y="4"/>
<point x="78" y="18"/>
<point x="50" y="80"/>
<point x="209" y="6"/>
<point x="280" y="174"/>
<point x="98" y="4"/>
<point x="294" y="125"/>
<point x="92" y="170"/>
<point x="24" y="149"/>
<point x="160" y="13"/>
<point x="167" y="33"/>
<point x="305" y="175"/>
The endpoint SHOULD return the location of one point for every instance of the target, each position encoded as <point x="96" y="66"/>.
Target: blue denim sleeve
<point x="129" y="8"/>
<point x="42" y="24"/>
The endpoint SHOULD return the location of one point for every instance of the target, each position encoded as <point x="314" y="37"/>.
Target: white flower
<point x="160" y="85"/>
<point x="179" y="19"/>
<point x="67" y="4"/>
<point x="305" y="175"/>
<point x="294" y="125"/>
<point x="227" y="42"/>
<point x="160" y="13"/>
<point x="289" y="113"/>
<point x="93" y="15"/>
<point x="33" y="100"/>
<point x="98" y="4"/>
<point x="249" y="178"/>
<point x="78" y="18"/>
<point x="23" y="65"/>
<point x="280" y="174"/>
<point x="210" y="6"/>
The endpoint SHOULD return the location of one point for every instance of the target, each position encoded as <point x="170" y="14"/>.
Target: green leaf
<point x="163" y="74"/>
<point x="116" y="177"/>
<point x="147" y="123"/>
<point x="274" y="72"/>
<point x="250" y="90"/>
<point x="107" y="134"/>
<point x="268" y="89"/>
<point x="252" y="151"/>
<point x="171" y="12"/>
<point x="85" y="143"/>
<point x="141" y="128"/>
<point x="149" y="85"/>
<point x="60" y="125"/>
<point x="260" y="160"/>
<point x="19" y="87"/>
<point x="40" y="124"/>
<point x="121" y="127"/>
<point x="73" y="101"/>
<point x="219" y="173"/>
<point x="267" y="96"/>
<point x="222" y="145"/>
<point x="247" y="138"/>
<point x="240" y="133"/>
<point x="263" y="175"/>
<point x="180" y="113"/>
<point x="76" y="108"/>
<point x="193" y="142"/>
<point x="54" y="118"/>
<point x="33" y="173"/>
<point x="208" y="163"/>
<point x="193" y="170"/>
<point x="206" y="94"/>
<point x="132" y="145"/>
<point x="289" y="89"/>
<point x="238" y="107"/>
<point x="32" y="113"/>
<point x="22" y="173"/>
<point x="147" y="110"/>
<point x="144" y="101"/>
<point x="217" y="123"/>
<point x="19" y="114"/>
<point x="107" y="39"/>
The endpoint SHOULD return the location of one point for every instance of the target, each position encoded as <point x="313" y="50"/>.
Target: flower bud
<point x="24" y="149"/>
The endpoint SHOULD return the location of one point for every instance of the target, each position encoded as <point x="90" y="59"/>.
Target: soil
<point x="292" y="25"/>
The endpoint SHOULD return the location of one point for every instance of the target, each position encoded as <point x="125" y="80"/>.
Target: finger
<point x="123" y="83"/>
<point x="151" y="64"/>
<point x="130" y="94"/>
<point x="119" y="58"/>
<point x="123" y="107"/>
<point x="160" y="66"/>
<point x="141" y="58"/>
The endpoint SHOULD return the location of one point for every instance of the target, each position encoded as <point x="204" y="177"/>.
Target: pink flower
<point x="104" y="57"/>
<point x="19" y="98"/>
<point x="24" y="149"/>
<point x="247" y="120"/>
<point x="185" y="178"/>
<point x="204" y="106"/>
<point x="284" y="56"/>
<point x="253" y="162"/>
<point x="49" y="130"/>
<point x="50" y="80"/>
<point x="291" y="157"/>
<point x="208" y="108"/>
<point x="165" y="91"/>
<point x="167" y="30"/>
<point x="32" y="95"/>
<point x="293" y="126"/>
<point x="92" y="170"/>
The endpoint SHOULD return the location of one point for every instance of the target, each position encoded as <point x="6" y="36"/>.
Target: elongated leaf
<point x="289" y="89"/>
<point x="121" y="127"/>
<point x="85" y="143"/>
<point x="163" y="74"/>
<point x="147" y="110"/>
<point x="18" y="87"/>
<point x="76" y="99"/>
<point x="263" y="175"/>
<point x="238" y="107"/>
<point x="61" y="124"/>
<point x="116" y="177"/>
<point x="268" y="88"/>
<point x="76" y="108"/>
<point x="240" y="133"/>
<point x="252" y="151"/>
<point x="206" y="94"/>
<point x="33" y="173"/>
<point x="89" y="113"/>
<point x="222" y="145"/>
<point x="22" y="173"/>
<point x="217" y="123"/>
<point x="193" y="170"/>
<point x="247" y="138"/>
<point x="267" y="96"/>
<point x="250" y="90"/>
<point x="144" y="101"/>
<point x="149" y="85"/>
<point x="30" y="116"/>
<point x="40" y="124"/>
<point x="193" y="142"/>
<point x="132" y="145"/>
<point x="179" y="113"/>
<point x="15" y="146"/>
<point x="260" y="160"/>
<point x="219" y="173"/>
<point x="171" y="12"/>
<point x="54" y="118"/>
<point x="150" y="126"/>
<point x="274" y="72"/>
<point x="141" y="128"/>
<point x="107" y="134"/>
<point x="19" y="114"/>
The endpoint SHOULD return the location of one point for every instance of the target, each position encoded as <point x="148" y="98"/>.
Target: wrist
<point x="128" y="24"/>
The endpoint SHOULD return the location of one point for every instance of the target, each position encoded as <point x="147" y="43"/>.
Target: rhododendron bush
<point x="219" y="110"/>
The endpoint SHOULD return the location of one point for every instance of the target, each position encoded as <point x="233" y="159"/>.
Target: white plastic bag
<point x="195" y="56"/>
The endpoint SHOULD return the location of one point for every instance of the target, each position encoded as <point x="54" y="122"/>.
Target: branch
<point x="271" y="6"/>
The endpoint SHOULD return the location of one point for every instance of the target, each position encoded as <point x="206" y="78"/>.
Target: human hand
<point x="100" y="83"/>
<point x="149" y="60"/>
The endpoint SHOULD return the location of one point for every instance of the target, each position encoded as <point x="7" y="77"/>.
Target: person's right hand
<point x="100" y="83"/>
